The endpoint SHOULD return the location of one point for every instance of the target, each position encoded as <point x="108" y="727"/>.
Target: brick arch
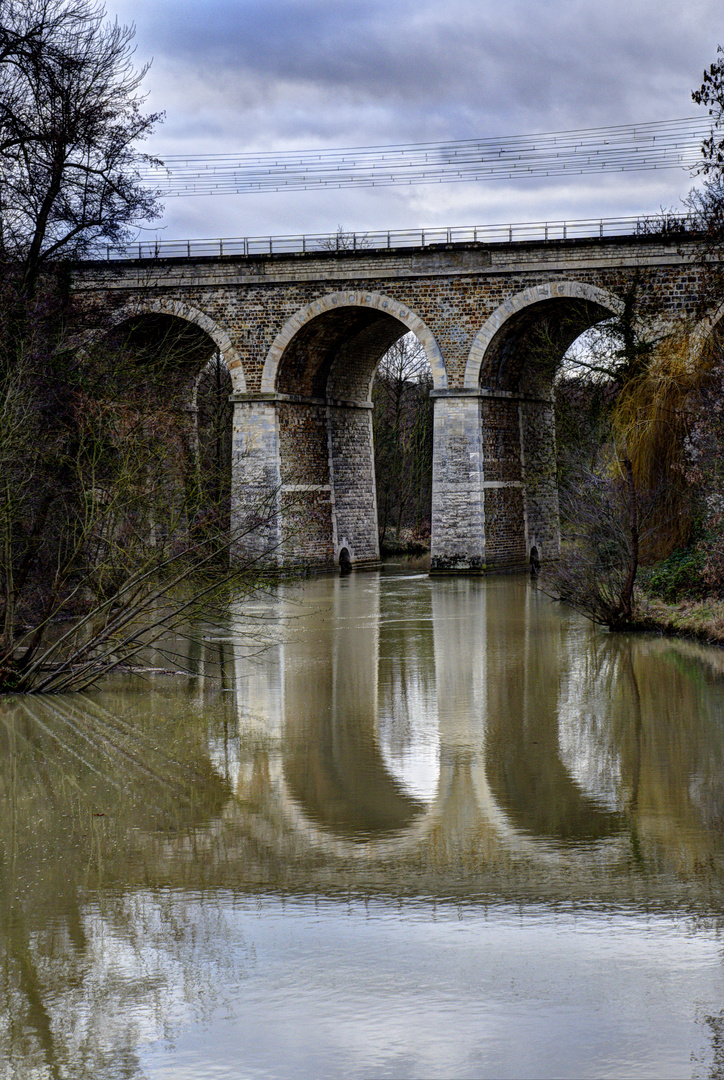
<point x="561" y="290"/>
<point x="361" y="299"/>
<point x="169" y="306"/>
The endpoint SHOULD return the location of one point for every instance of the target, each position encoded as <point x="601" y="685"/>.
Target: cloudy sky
<point x="246" y="75"/>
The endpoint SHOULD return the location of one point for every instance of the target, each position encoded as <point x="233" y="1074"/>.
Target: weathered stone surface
<point x="352" y="473"/>
<point x="302" y="336"/>
<point x="458" y="529"/>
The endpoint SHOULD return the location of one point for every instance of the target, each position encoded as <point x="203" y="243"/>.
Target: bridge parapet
<point x="387" y="239"/>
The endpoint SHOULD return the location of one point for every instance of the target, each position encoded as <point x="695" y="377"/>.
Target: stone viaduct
<point x="302" y="335"/>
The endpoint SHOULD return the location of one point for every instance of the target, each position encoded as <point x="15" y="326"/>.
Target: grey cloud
<point x="286" y="74"/>
<point x="527" y="60"/>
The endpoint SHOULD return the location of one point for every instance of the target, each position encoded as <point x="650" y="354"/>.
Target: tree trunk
<point x="626" y="601"/>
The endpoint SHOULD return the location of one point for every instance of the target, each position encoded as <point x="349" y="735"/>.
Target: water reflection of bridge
<point x="530" y="757"/>
<point x="531" y="761"/>
<point x="526" y="743"/>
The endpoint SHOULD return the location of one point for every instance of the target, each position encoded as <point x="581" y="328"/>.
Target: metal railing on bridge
<point x="374" y="240"/>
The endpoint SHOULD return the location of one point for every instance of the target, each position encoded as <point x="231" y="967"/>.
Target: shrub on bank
<point x="678" y="577"/>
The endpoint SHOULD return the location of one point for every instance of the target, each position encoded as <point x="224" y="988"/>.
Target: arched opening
<point x="585" y="388"/>
<point x="525" y="353"/>
<point x="173" y="387"/>
<point x="403" y="441"/>
<point x="514" y="361"/>
<point x="324" y="365"/>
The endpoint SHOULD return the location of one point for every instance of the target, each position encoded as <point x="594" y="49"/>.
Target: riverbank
<point x="406" y="542"/>
<point x="702" y="620"/>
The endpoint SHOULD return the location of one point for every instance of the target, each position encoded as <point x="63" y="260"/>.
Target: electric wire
<point x="622" y="148"/>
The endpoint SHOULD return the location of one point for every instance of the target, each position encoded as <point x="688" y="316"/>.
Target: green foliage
<point x="704" y="466"/>
<point x="678" y="577"/>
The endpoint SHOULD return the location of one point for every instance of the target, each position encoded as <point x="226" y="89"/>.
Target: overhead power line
<point x="662" y="144"/>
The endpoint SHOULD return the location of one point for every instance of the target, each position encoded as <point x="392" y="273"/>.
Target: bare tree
<point x="343" y="240"/>
<point x="622" y="422"/>
<point x="607" y="520"/>
<point x="711" y="95"/>
<point x="114" y="520"/>
<point x="70" y="122"/>
<point x="403" y="438"/>
<point x="95" y="515"/>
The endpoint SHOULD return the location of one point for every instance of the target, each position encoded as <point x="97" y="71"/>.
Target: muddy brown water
<point x="387" y="826"/>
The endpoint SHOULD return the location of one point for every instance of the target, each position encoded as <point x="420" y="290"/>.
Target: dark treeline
<point x="114" y="444"/>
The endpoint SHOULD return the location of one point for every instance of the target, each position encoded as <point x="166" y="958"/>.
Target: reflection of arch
<point x="526" y="775"/>
<point x="340" y="782"/>
<point x="312" y="835"/>
<point x="179" y="309"/>
<point x="353" y="299"/>
<point x="602" y="301"/>
<point x="325" y="767"/>
<point x="412" y="825"/>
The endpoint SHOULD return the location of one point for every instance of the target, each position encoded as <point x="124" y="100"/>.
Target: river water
<point x="388" y="826"/>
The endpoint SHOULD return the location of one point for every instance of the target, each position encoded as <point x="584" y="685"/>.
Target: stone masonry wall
<point x="353" y="482"/>
<point x="504" y="528"/>
<point x="452" y="291"/>
<point x="306" y="488"/>
<point x="503" y="494"/>
<point x="538" y="442"/>
<point x="458" y="535"/>
<point x="493" y="488"/>
<point x="255" y="488"/>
